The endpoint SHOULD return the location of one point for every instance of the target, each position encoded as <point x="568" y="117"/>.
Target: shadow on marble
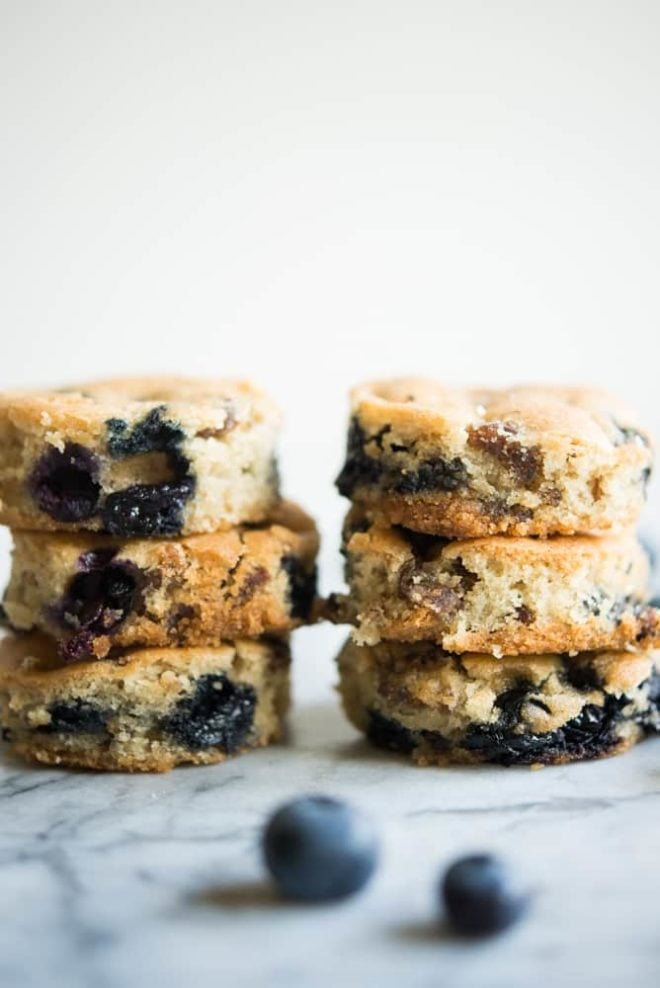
<point x="431" y="931"/>
<point x="362" y="750"/>
<point x="238" y="895"/>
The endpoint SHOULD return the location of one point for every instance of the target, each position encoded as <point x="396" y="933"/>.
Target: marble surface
<point x="118" y="881"/>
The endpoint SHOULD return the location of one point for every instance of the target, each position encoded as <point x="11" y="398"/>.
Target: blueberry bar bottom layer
<point x="523" y="710"/>
<point x="146" y="711"/>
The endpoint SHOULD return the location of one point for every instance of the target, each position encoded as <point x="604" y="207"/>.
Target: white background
<point x="313" y="193"/>
<point x="310" y="194"/>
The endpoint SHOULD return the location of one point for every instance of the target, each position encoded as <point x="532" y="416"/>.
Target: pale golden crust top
<point x="80" y="406"/>
<point x="548" y="414"/>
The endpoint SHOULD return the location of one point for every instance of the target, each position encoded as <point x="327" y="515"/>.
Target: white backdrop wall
<point x="313" y="193"/>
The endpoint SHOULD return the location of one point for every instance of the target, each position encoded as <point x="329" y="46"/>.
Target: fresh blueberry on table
<point x="481" y="896"/>
<point x="319" y="849"/>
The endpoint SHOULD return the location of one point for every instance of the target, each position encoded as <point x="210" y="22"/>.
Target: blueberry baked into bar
<point x="502" y="595"/>
<point x="138" y="457"/>
<point x="523" y="710"/>
<point x="148" y="711"/>
<point x="96" y="592"/>
<point x="469" y="463"/>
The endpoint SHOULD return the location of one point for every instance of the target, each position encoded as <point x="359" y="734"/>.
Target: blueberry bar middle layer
<point x="93" y="593"/>
<point x="502" y="595"/>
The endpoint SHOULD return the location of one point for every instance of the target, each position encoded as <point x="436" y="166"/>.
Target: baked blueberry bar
<point x="95" y="592"/>
<point x="523" y="710"/>
<point x="470" y="463"/>
<point x="502" y="594"/>
<point x="149" y="711"/>
<point x="138" y="457"/>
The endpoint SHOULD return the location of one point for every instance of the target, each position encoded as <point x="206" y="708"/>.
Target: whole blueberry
<point x="318" y="849"/>
<point x="481" y="897"/>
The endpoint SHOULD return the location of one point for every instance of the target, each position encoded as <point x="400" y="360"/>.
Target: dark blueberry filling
<point x="218" y="713"/>
<point x="432" y="475"/>
<point x="588" y="735"/>
<point x="359" y="468"/>
<point x="512" y="701"/>
<point x="149" y="509"/>
<point x="386" y="733"/>
<point x="64" y="483"/>
<point x="302" y="587"/>
<point x="154" y="434"/>
<point x="97" y="601"/>
<point x="76" y="717"/>
<point x="581" y="676"/>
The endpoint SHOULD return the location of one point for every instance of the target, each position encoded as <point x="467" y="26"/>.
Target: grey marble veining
<point x="118" y="880"/>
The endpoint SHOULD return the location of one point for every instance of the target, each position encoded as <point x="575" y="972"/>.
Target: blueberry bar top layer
<point x="525" y="460"/>
<point x="138" y="457"/>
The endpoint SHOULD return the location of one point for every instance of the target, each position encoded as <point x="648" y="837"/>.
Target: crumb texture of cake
<point x="522" y="710"/>
<point x="138" y="457"/>
<point x="468" y="463"/>
<point x="149" y="711"/>
<point x="502" y="595"/>
<point x="94" y="592"/>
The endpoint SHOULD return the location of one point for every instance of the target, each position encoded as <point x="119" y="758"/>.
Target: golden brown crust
<point x="98" y="760"/>
<point x="240" y="583"/>
<point x="89" y="405"/>
<point x="469" y="517"/>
